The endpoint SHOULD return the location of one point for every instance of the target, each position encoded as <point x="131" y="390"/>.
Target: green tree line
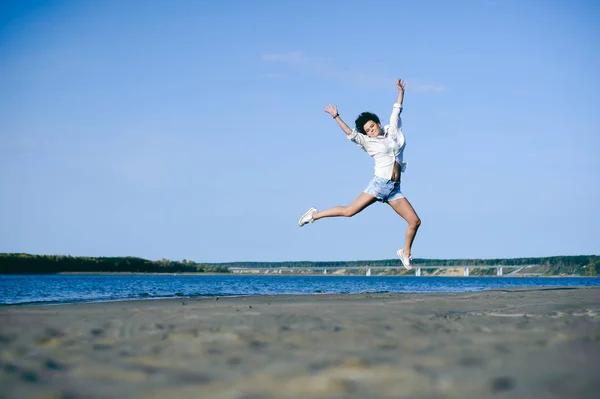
<point x="588" y="265"/>
<point x="581" y="264"/>
<point x="42" y="264"/>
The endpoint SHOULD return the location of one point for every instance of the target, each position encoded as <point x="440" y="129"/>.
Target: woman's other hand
<point x="331" y="110"/>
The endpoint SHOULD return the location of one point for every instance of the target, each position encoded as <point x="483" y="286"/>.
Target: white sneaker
<point x="405" y="259"/>
<point x="307" y="217"/>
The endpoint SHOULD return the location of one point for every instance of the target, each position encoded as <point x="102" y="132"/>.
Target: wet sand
<point x="523" y="343"/>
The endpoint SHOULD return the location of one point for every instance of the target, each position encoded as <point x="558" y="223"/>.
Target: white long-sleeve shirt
<point x="386" y="148"/>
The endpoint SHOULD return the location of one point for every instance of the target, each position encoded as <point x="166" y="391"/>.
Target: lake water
<point x="60" y="288"/>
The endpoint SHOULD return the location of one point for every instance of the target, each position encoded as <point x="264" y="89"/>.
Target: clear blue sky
<point x="195" y="129"/>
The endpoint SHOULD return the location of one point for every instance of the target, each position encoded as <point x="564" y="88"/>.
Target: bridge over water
<point x="368" y="269"/>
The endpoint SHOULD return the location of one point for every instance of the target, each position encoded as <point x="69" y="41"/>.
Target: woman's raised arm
<point x="333" y="111"/>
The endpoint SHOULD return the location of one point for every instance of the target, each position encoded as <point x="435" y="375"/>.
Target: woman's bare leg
<point x="406" y="211"/>
<point x="363" y="201"/>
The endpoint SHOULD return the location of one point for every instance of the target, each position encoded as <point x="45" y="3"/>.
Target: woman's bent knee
<point x="415" y="223"/>
<point x="350" y="211"/>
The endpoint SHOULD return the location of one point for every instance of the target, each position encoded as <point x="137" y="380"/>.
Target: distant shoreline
<point x="580" y="265"/>
<point x="302" y="275"/>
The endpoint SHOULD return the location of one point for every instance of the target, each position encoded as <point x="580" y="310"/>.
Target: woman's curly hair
<point x="363" y="119"/>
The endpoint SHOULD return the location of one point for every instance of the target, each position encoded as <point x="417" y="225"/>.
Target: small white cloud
<point x="273" y="75"/>
<point x="431" y="88"/>
<point x="292" y="57"/>
<point x="357" y="77"/>
<point x="317" y="66"/>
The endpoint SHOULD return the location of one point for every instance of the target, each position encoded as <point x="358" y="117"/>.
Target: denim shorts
<point x="384" y="190"/>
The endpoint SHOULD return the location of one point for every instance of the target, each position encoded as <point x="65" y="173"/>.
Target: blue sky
<point x="195" y="129"/>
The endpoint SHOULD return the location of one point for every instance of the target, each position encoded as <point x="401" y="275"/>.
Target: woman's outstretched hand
<point x="331" y="110"/>
<point x="400" y="84"/>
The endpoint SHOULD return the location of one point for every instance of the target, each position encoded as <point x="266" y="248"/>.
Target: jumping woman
<point x="386" y="146"/>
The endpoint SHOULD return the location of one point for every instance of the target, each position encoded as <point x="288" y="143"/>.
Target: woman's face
<point x="372" y="129"/>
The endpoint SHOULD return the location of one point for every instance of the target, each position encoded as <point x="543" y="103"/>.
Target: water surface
<point x="61" y="288"/>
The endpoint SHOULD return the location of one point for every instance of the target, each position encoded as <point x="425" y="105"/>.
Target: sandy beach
<point x="523" y="343"/>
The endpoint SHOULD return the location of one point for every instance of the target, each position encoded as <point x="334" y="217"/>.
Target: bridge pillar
<point x="418" y="271"/>
<point x="499" y="271"/>
<point x="466" y="273"/>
